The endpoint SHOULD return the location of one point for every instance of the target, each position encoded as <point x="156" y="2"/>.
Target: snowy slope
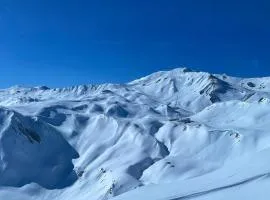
<point x="177" y="134"/>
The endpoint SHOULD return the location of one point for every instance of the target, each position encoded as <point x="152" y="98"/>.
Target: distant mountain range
<point x="172" y="135"/>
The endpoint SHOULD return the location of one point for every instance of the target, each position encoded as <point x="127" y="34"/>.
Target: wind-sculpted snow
<point x="33" y="151"/>
<point x="192" y="134"/>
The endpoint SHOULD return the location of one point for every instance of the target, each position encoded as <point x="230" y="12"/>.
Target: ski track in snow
<point x="197" y="194"/>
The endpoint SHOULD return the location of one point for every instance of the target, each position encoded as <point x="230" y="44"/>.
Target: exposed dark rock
<point x="250" y="84"/>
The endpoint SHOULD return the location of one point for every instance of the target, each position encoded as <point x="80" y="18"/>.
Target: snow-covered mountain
<point x="177" y="134"/>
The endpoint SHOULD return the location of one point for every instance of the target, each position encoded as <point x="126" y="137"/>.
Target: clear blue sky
<point x="58" y="43"/>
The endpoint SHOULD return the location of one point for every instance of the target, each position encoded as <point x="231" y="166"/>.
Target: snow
<point x="179" y="134"/>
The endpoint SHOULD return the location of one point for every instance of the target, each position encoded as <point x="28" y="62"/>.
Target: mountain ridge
<point x="101" y="141"/>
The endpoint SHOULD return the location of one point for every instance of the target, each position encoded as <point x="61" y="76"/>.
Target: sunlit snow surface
<point x="172" y="135"/>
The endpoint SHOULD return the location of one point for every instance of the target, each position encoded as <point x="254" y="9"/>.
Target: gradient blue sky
<point x="58" y="43"/>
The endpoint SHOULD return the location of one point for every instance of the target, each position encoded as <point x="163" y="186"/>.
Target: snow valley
<point x="172" y="135"/>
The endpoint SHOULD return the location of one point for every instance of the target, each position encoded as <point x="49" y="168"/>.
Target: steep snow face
<point x="32" y="151"/>
<point x="99" y="141"/>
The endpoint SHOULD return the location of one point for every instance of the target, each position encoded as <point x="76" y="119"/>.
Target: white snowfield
<point x="173" y="135"/>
